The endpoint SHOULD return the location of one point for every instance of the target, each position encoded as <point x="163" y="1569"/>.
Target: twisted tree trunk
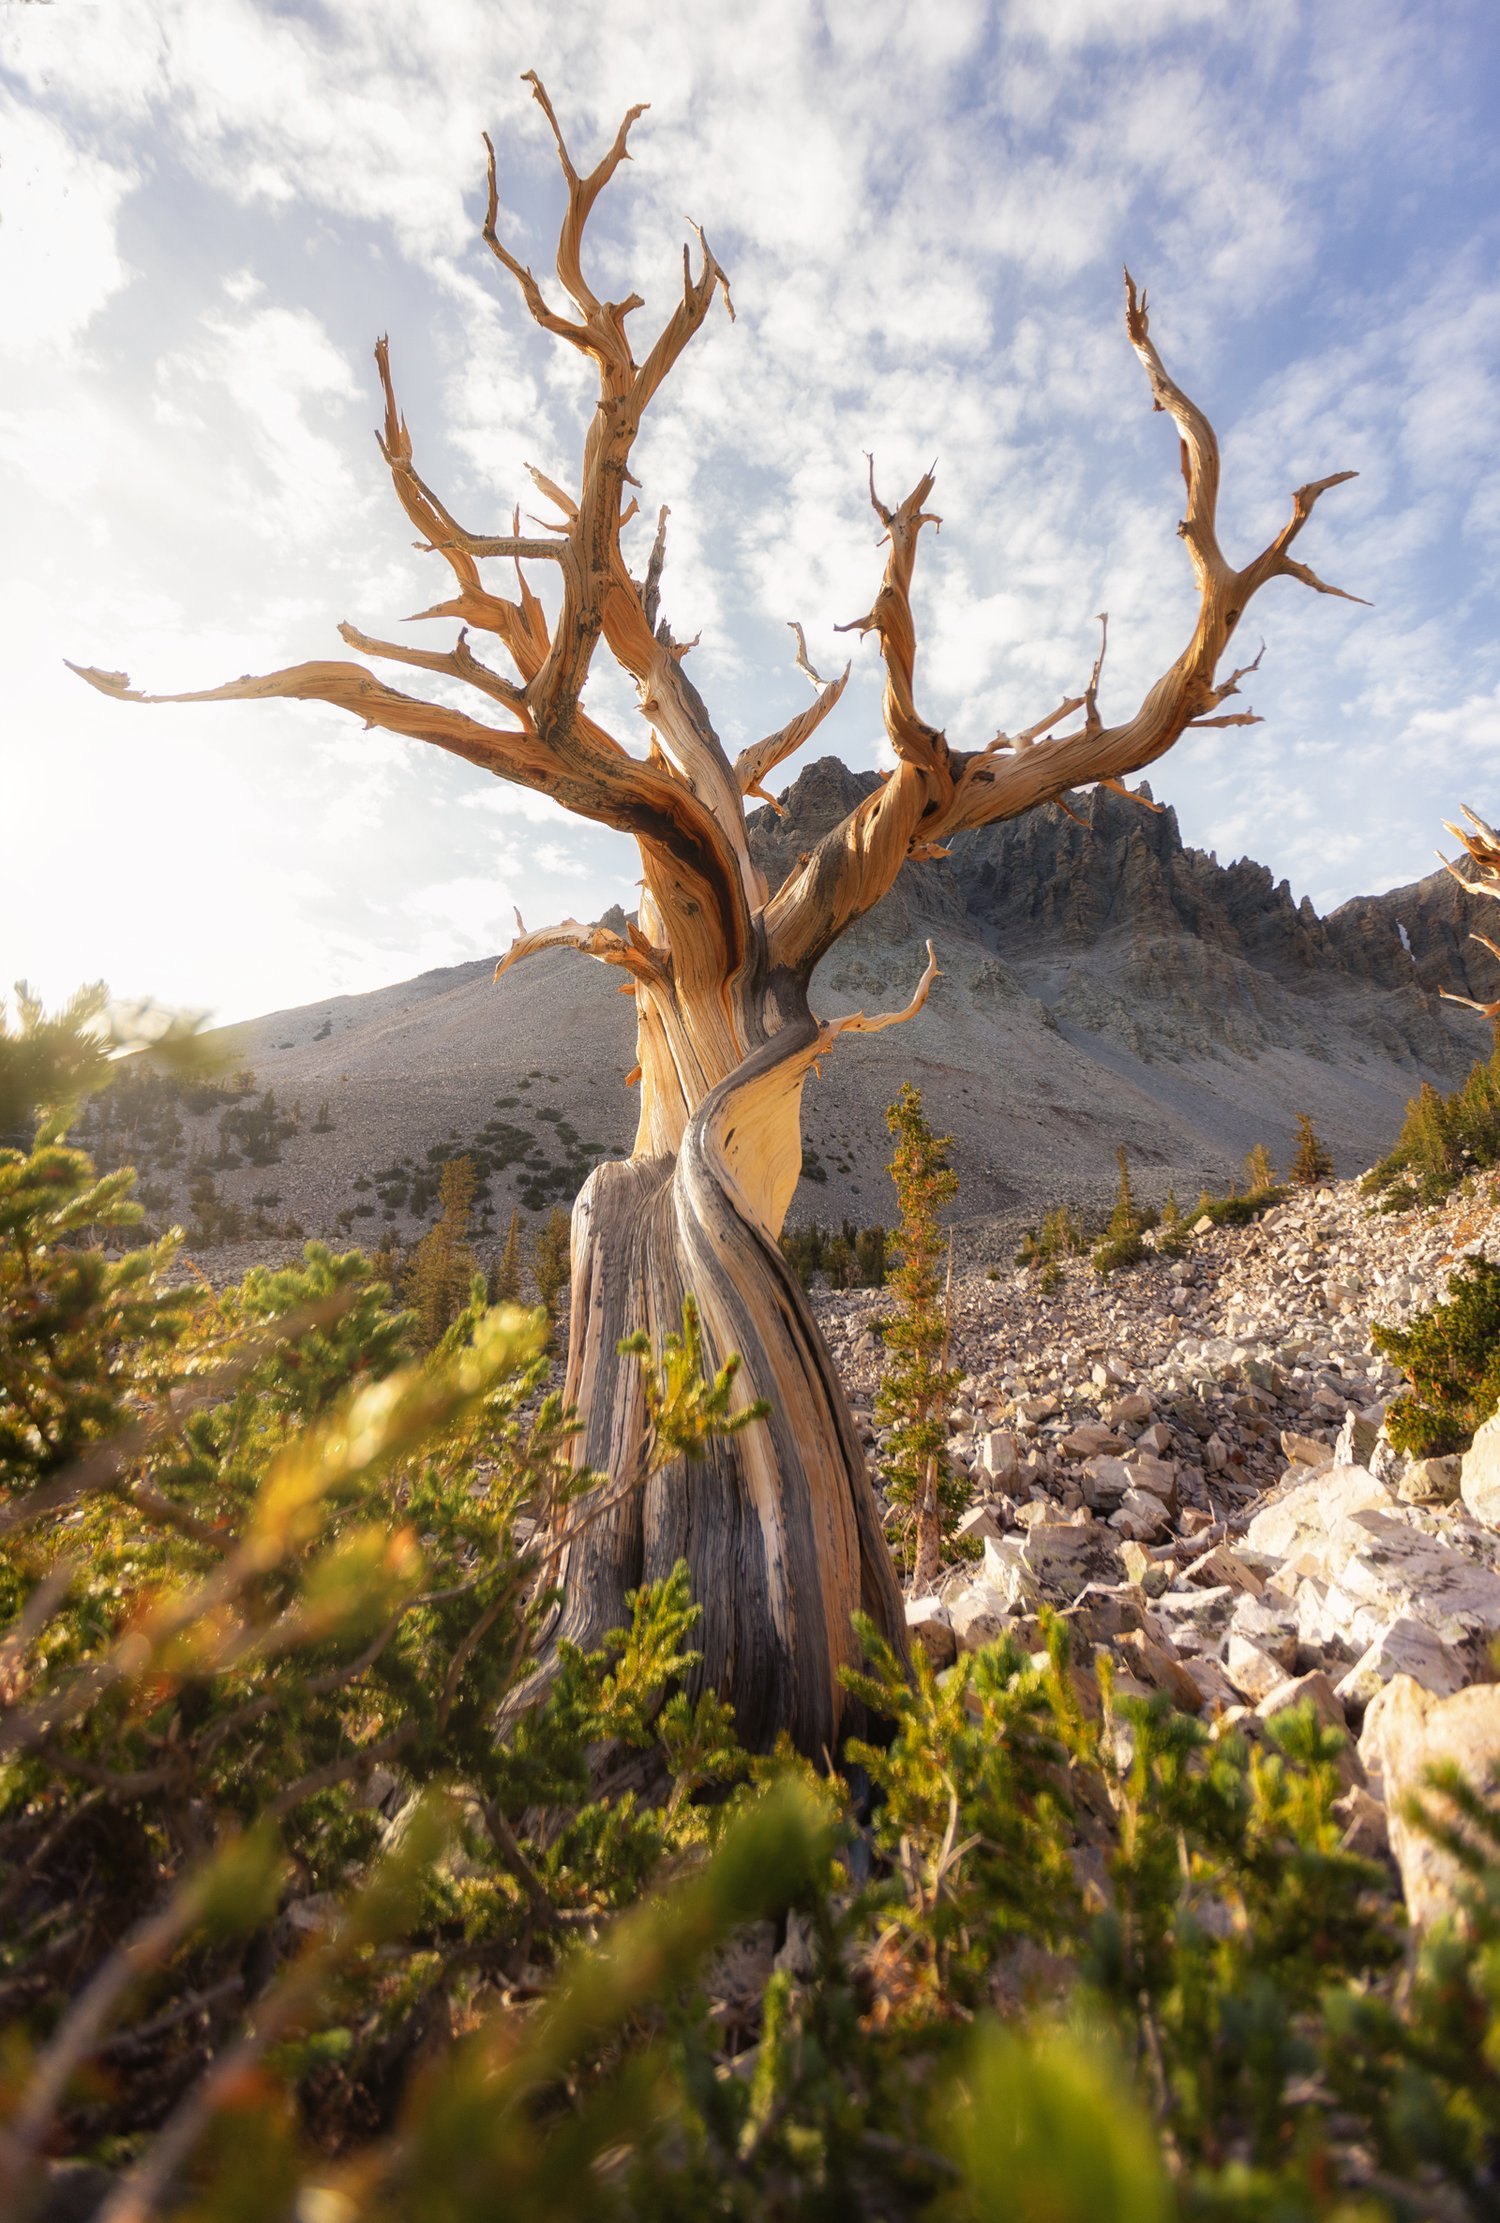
<point x="778" y="1526"/>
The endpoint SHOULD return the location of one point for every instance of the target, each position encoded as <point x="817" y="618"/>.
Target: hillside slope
<point x="1101" y="984"/>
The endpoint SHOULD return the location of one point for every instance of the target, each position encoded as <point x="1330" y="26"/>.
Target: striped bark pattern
<point x="779" y="1527"/>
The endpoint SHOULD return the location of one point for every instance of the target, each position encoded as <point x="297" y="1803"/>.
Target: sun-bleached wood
<point x="1482" y="844"/>
<point x="778" y="1526"/>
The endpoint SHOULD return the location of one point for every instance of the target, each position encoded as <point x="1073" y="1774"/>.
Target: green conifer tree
<point x="1259" y="1171"/>
<point x="1311" y="1162"/>
<point x="505" y="1281"/>
<point x="1122" y="1244"/>
<point x="442" y="1268"/>
<point x="552" y="1263"/>
<point x="838" y="1262"/>
<point x="918" y="1380"/>
<point x="870" y="1257"/>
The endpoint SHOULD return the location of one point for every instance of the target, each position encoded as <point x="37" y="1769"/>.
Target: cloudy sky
<point x="209" y="211"/>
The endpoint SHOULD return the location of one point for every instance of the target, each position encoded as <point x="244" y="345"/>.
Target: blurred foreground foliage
<point x="318" y="1903"/>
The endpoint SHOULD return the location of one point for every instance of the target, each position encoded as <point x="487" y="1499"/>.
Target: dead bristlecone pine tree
<point x="778" y="1525"/>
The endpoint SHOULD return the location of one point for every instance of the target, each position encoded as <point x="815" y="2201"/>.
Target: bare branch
<point x="1483" y="847"/>
<point x="636" y="955"/>
<point x="518" y="547"/>
<point x="1092" y="722"/>
<point x="582" y="194"/>
<point x="457" y="662"/>
<point x="350" y="687"/>
<point x="575" y="334"/>
<point x="1274" y="561"/>
<point x="1132" y="795"/>
<point x="890" y="618"/>
<point x="858" y="1023"/>
<point x="935" y="792"/>
<point x="554" y="492"/>
<point x="1200" y="448"/>
<point x="803" y="662"/>
<point x="656" y="563"/>
<point x="753" y="765"/>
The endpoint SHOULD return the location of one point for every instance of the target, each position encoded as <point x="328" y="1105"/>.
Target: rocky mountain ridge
<point x="1099" y="909"/>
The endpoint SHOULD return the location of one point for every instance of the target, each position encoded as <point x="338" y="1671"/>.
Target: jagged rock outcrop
<point x="1120" y="930"/>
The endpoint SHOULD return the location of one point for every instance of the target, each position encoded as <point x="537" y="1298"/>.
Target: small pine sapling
<point x="1452" y="1357"/>
<point x="442" y="1270"/>
<point x="870" y="1257"/>
<point x="1311" y="1161"/>
<point x="918" y="1380"/>
<point x="1122" y="1244"/>
<point x="552" y="1264"/>
<point x="505" y="1281"/>
<point x="1260" y="1174"/>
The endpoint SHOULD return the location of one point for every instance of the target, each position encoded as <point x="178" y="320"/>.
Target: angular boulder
<point x="1307" y="1511"/>
<point x="999" y="1456"/>
<point x="927" y="1624"/>
<point x="1479" y="1477"/>
<point x="1407" y="1647"/>
<point x="1407" y="1731"/>
<point x="1430" y="1481"/>
<point x="977" y="1617"/>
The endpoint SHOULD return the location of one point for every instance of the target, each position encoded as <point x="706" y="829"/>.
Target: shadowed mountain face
<point x="1101" y="985"/>
<point x="1115" y="925"/>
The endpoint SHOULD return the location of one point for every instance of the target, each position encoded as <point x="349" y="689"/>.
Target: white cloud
<point x="60" y="259"/>
<point x="280" y="374"/>
<point x="1069" y="23"/>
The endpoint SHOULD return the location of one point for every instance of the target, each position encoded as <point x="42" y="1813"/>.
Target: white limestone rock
<point x="1430" y="1481"/>
<point x="1407" y="1647"/>
<point x="1105" y="1482"/>
<point x="1007" y="1574"/>
<point x="1307" y="1511"/>
<point x="1065" y="1559"/>
<point x="979" y="1521"/>
<point x="1252" y="1671"/>
<point x="1141" y="1517"/>
<point x="977" y="1616"/>
<point x="927" y="1624"/>
<point x="1270" y="1623"/>
<point x="999" y="1456"/>
<point x="1407" y="1730"/>
<point x="1387" y="1568"/>
<point x="1156" y="1476"/>
<point x="1479" y="1477"/>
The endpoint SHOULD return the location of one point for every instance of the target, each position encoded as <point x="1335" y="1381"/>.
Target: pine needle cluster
<point x="1451" y="1356"/>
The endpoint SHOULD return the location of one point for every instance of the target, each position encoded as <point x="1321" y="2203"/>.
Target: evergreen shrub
<point x="1452" y="1355"/>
